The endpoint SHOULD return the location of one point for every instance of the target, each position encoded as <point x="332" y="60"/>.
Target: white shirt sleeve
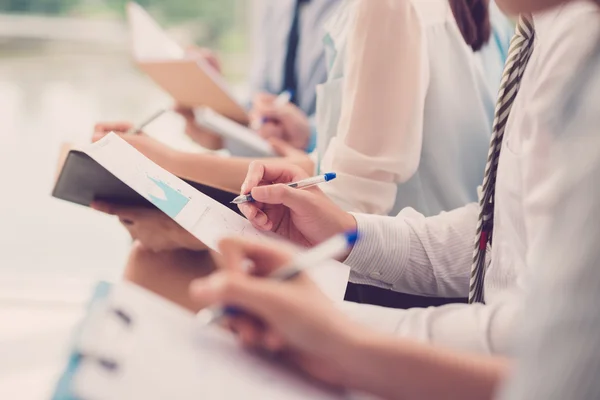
<point x="379" y="136"/>
<point x="418" y="255"/>
<point x="486" y="329"/>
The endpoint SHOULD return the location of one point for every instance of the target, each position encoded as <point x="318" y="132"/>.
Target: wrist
<point x="370" y="364"/>
<point x="358" y="363"/>
<point x="348" y="222"/>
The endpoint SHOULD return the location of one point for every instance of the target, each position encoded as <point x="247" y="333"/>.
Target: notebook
<point x="81" y="180"/>
<point x="204" y="217"/>
<point x="231" y="130"/>
<point x="190" y="82"/>
<point x="133" y="345"/>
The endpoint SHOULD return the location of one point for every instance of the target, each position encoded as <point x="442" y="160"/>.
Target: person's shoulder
<point x="384" y="7"/>
<point x="426" y="11"/>
<point x="572" y="18"/>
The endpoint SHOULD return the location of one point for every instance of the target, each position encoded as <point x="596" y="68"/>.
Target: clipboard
<point x="82" y="180"/>
<point x="133" y="344"/>
<point x="190" y="82"/>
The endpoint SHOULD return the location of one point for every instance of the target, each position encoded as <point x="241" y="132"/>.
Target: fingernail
<point x="244" y="187"/>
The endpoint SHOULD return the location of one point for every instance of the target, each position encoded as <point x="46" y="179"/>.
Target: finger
<point x="272" y="113"/>
<point x="184" y="111"/>
<point x="98" y="135"/>
<point x="249" y="210"/>
<point x="257" y="217"/>
<point x="270" y="131"/>
<point x="119" y="127"/>
<point x="294" y="199"/>
<point x="126" y="213"/>
<point x="266" y="256"/>
<point x="126" y="222"/>
<point x="273" y="342"/>
<point x="249" y="335"/>
<point x="262" y="298"/>
<point x="263" y="98"/>
<point x="103" y="207"/>
<point x="278" y="172"/>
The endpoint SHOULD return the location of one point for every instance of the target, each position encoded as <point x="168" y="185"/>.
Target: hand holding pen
<point x="280" y="101"/>
<point x="139" y="128"/>
<point x="304" y="216"/>
<point x="330" y="249"/>
<point x="294" y="317"/>
<point x="303" y="184"/>
<point x="279" y="118"/>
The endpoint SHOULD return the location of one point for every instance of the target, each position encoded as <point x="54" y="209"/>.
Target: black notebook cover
<point x="82" y="180"/>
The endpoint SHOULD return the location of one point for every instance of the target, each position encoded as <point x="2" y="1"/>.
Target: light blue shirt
<point x="493" y="55"/>
<point x="270" y="49"/>
<point x="457" y="109"/>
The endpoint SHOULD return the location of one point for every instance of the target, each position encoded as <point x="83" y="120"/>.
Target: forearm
<point x="223" y="172"/>
<point x="402" y="369"/>
<point x="227" y="173"/>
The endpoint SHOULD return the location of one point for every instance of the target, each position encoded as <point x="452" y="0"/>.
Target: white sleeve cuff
<point x="382" y="250"/>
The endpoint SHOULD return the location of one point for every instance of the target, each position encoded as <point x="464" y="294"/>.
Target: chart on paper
<point x="165" y="198"/>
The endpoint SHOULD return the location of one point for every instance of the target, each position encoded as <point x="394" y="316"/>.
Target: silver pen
<point x="303" y="184"/>
<point x="330" y="249"/>
<point x="137" y="129"/>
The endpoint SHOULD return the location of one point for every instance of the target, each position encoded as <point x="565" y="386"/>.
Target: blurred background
<point x="65" y="65"/>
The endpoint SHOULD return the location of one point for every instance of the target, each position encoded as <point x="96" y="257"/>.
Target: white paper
<point x="232" y="130"/>
<point x="149" y="40"/>
<point x="208" y="220"/>
<point x="171" y="357"/>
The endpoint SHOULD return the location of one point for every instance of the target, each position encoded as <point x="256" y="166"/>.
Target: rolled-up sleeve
<point x="379" y="136"/>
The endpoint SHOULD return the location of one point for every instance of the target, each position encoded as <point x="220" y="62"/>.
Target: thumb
<point x="271" y="113"/>
<point x="294" y="199"/>
<point x="266" y="256"/>
<point x="261" y="297"/>
<point x="98" y="135"/>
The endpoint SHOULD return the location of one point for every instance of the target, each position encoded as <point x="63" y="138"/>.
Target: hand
<point x="152" y="228"/>
<point x="202" y="53"/>
<point x="304" y="216"/>
<point x="294" y="319"/>
<point x="156" y="151"/>
<point x="286" y="122"/>
<point x="204" y="137"/>
<point x="198" y="134"/>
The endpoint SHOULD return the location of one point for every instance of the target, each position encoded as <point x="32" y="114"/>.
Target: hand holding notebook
<point x="191" y="81"/>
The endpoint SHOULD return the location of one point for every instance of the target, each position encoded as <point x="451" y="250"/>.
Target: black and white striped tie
<point x="519" y="54"/>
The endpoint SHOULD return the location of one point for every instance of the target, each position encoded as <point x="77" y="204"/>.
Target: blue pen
<point x="303" y="184"/>
<point x="330" y="249"/>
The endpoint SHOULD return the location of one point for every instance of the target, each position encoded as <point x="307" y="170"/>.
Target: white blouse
<point x="405" y="116"/>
